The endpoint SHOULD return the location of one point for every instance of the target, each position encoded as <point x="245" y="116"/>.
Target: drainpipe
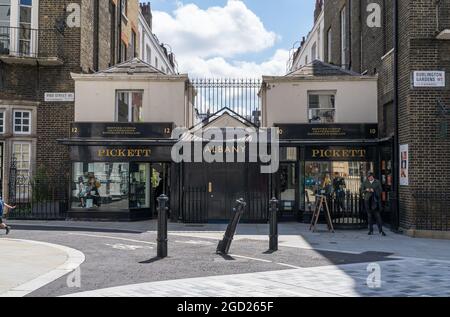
<point x="396" y="156"/>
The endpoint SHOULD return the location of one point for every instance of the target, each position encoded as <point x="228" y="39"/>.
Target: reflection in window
<point x="139" y="184"/>
<point x="321" y="108"/>
<point x="129" y="106"/>
<point x="100" y="184"/>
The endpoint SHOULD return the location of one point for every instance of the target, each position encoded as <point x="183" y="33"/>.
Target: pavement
<point x="30" y="265"/>
<point x="121" y="261"/>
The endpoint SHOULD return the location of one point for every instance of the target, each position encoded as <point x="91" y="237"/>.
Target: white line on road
<point x="112" y="238"/>
<point x="249" y="258"/>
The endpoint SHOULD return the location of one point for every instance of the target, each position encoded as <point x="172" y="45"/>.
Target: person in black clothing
<point x="372" y="196"/>
<point x="339" y="189"/>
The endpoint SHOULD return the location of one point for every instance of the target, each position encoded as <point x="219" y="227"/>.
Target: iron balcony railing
<point x="31" y="43"/>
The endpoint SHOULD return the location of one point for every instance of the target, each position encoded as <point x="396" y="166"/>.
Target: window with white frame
<point x="329" y="42"/>
<point x="22" y="122"/>
<point x="129" y="106"/>
<point x="22" y="155"/>
<point x="2" y="122"/>
<point x="149" y="55"/>
<point x="18" y="24"/>
<point x="343" y="38"/>
<point x="321" y="107"/>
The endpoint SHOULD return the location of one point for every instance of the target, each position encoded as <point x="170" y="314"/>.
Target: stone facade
<point x="369" y="50"/>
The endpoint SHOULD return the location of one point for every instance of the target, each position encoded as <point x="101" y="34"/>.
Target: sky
<point x="232" y="38"/>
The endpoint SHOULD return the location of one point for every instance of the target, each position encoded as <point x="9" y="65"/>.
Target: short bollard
<point x="273" y="243"/>
<point x="224" y="246"/>
<point x="162" y="226"/>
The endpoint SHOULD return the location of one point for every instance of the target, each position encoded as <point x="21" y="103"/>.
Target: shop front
<point x="331" y="160"/>
<point x="119" y="169"/>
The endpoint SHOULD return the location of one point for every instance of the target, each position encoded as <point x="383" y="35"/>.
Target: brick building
<point x="363" y="36"/>
<point x="41" y="43"/>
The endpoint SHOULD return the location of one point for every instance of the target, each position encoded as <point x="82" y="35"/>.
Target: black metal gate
<point x="348" y="212"/>
<point x="37" y="198"/>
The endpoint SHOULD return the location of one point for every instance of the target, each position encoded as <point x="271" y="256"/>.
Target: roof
<point x="320" y="69"/>
<point x="131" y="67"/>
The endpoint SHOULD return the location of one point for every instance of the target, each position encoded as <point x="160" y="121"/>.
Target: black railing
<point x="33" y="43"/>
<point x="36" y="198"/>
<point x="210" y="96"/>
<point x="348" y="211"/>
<point x="432" y="211"/>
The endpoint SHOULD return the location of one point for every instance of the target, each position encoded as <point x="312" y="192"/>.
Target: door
<point x="226" y="184"/>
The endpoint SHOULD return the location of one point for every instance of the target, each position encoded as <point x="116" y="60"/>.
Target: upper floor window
<point x="22" y="122"/>
<point x="129" y="106"/>
<point x="123" y="51"/>
<point x="343" y="38"/>
<point x="124" y="7"/>
<point x="321" y="107"/>
<point x="314" y="52"/>
<point x="148" y="55"/>
<point x="329" y="42"/>
<point x="134" y="43"/>
<point x="2" y="122"/>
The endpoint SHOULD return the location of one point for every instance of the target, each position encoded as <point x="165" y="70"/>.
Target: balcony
<point x="25" y="46"/>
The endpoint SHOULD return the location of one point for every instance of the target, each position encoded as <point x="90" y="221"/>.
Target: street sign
<point x="435" y="79"/>
<point x="59" y="97"/>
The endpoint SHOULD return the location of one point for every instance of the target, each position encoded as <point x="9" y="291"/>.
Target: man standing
<point x="372" y="197"/>
<point x="2" y="208"/>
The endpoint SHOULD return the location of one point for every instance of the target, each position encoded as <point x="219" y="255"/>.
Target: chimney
<point x="318" y="9"/>
<point x="146" y="10"/>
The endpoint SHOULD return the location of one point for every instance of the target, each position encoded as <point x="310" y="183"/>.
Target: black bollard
<point x="224" y="245"/>
<point x="162" y="226"/>
<point x="273" y="244"/>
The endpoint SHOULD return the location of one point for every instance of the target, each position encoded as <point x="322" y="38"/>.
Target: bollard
<point x="162" y="226"/>
<point x="273" y="243"/>
<point x="224" y="246"/>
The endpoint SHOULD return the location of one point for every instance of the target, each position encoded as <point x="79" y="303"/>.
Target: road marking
<point x="195" y="242"/>
<point x="112" y="238"/>
<point x="288" y="265"/>
<point x="125" y="247"/>
<point x="249" y="258"/>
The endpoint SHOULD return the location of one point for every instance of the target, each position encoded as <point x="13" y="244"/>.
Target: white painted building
<point x="151" y="50"/>
<point x="313" y="46"/>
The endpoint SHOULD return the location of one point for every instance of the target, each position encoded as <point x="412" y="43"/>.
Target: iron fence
<point x="36" y="198"/>
<point x="432" y="211"/>
<point x="348" y="212"/>
<point x="27" y="42"/>
<point x="209" y="96"/>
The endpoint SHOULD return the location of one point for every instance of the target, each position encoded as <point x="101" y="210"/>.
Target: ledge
<point x="32" y="61"/>
<point x="444" y="35"/>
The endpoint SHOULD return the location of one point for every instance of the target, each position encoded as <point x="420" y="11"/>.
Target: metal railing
<point x="209" y="96"/>
<point x="32" y="43"/>
<point x="348" y="212"/>
<point x="432" y="211"/>
<point x="36" y="198"/>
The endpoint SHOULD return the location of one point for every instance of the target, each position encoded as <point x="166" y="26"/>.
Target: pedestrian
<point x="372" y="196"/>
<point x="339" y="189"/>
<point x="2" y="213"/>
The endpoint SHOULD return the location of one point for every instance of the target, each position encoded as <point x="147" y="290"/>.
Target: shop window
<point x="288" y="186"/>
<point x="22" y="122"/>
<point x="2" y="122"/>
<point x="321" y="107"/>
<point x="22" y="155"/>
<point x="129" y="106"/>
<point x="111" y="186"/>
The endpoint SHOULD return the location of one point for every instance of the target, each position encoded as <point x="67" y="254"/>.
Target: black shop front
<point x="320" y="158"/>
<point x="119" y="169"/>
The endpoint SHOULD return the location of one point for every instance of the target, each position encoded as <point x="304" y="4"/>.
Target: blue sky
<point x="223" y="38"/>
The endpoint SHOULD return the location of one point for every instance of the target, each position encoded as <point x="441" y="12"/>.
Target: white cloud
<point x="215" y="32"/>
<point x="221" y="68"/>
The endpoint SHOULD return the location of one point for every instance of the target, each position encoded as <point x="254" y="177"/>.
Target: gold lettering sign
<point x="225" y="149"/>
<point x="124" y="153"/>
<point x="353" y="153"/>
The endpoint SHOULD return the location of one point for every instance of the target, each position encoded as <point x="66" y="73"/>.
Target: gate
<point x="37" y="198"/>
<point x="348" y="212"/>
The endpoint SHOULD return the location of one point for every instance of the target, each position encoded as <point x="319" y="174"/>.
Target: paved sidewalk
<point x="403" y="278"/>
<point x="28" y="265"/>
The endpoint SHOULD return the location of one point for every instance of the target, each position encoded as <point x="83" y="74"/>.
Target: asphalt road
<point x="121" y="258"/>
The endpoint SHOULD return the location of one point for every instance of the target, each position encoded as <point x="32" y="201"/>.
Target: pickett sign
<point x="120" y="154"/>
<point x="336" y="153"/>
